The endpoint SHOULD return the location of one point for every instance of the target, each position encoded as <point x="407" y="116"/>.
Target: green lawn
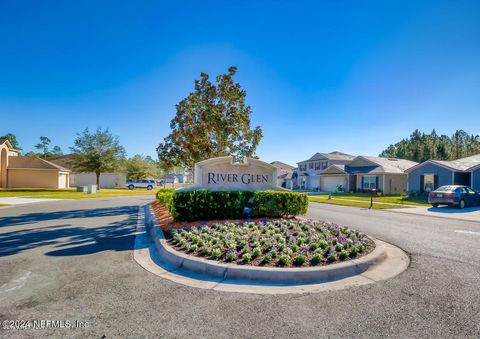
<point x="323" y="199"/>
<point x="72" y="194"/>
<point x="393" y="199"/>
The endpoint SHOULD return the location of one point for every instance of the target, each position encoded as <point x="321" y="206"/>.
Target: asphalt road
<point x="73" y="261"/>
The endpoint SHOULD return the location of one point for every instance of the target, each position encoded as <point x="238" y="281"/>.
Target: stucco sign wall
<point x="224" y="174"/>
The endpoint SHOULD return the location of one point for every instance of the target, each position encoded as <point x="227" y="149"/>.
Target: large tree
<point x="140" y="167"/>
<point x="211" y="121"/>
<point x="13" y="140"/>
<point x="97" y="152"/>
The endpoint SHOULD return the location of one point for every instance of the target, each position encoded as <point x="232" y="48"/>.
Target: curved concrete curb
<point x="384" y="262"/>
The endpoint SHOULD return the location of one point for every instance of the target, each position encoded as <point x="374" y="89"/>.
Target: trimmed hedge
<point x="165" y="196"/>
<point x="207" y="205"/>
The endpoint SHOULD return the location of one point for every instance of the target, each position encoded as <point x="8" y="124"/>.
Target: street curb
<point x="306" y="275"/>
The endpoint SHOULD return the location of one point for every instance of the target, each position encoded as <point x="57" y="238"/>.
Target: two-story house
<point x="308" y="172"/>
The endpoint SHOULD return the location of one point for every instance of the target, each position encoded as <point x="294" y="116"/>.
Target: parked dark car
<point x="454" y="195"/>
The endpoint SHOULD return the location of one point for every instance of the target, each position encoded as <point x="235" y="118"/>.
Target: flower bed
<point x="278" y="242"/>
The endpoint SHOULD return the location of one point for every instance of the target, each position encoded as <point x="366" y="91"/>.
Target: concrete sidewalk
<point x="24" y="200"/>
<point x="467" y="214"/>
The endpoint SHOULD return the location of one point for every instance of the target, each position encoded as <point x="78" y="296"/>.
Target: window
<point x="428" y="182"/>
<point x="324" y="164"/>
<point x="310" y="165"/>
<point x="317" y="166"/>
<point x="369" y="182"/>
<point x="302" y="167"/>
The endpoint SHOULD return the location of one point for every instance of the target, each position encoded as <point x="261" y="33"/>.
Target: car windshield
<point x="446" y="189"/>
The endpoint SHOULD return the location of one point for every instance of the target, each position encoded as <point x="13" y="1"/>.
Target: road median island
<point x="200" y="272"/>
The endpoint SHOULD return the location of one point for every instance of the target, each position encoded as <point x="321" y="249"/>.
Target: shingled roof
<point x="22" y="162"/>
<point x="462" y="164"/>
<point x="336" y="155"/>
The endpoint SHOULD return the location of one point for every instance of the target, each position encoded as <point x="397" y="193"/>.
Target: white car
<point x="148" y="184"/>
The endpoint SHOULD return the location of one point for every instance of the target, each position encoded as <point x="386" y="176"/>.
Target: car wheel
<point x="131" y="187"/>
<point x="461" y="204"/>
<point x="149" y="187"/>
<point x="435" y="205"/>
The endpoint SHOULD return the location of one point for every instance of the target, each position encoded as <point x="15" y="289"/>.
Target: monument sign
<point x="225" y="174"/>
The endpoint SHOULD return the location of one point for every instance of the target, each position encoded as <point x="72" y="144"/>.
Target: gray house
<point x="308" y="171"/>
<point x="431" y="174"/>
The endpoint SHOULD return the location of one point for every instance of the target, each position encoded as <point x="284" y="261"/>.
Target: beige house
<point x="18" y="171"/>
<point x="363" y="173"/>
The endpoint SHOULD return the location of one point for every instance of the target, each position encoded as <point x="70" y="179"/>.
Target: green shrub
<point x="165" y="196"/>
<point x="207" y="205"/>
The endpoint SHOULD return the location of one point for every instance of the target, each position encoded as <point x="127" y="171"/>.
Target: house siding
<point x="444" y="176"/>
<point x="26" y="178"/>
<point x="476" y="179"/>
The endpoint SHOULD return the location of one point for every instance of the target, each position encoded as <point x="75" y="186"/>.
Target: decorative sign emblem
<point x="224" y="174"/>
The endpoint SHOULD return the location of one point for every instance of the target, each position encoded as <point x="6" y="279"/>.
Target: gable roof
<point x="64" y="161"/>
<point x="334" y="169"/>
<point x="6" y="141"/>
<point x="33" y="163"/>
<point x="386" y="165"/>
<point x="335" y="155"/>
<point x="460" y="165"/>
<point x="282" y="165"/>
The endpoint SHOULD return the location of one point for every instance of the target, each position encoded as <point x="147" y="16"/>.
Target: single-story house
<point x="431" y="174"/>
<point x="18" y="171"/>
<point x="364" y="173"/>
<point x="107" y="180"/>
<point x="284" y="174"/>
<point x="309" y="171"/>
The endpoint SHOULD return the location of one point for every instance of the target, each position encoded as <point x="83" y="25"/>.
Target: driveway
<point x="468" y="214"/>
<point x="72" y="260"/>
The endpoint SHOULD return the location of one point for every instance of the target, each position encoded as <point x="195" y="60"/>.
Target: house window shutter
<point x="363" y="180"/>
<point x="422" y="183"/>
<point x="376" y="182"/>
<point x="435" y="181"/>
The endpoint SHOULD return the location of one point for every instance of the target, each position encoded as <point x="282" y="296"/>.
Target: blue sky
<point x="353" y="76"/>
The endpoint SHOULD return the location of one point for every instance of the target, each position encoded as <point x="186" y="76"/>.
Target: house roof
<point x="33" y="163"/>
<point x="335" y="168"/>
<point x="282" y="165"/>
<point x="9" y="144"/>
<point x="387" y="165"/>
<point x="463" y="164"/>
<point x="332" y="156"/>
<point x="286" y="176"/>
<point x="335" y="155"/>
<point x="63" y="161"/>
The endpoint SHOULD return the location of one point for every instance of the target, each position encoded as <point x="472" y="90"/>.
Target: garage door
<point x="62" y="181"/>
<point x="330" y="184"/>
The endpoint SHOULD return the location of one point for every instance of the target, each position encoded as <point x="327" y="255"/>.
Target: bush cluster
<point x="280" y="242"/>
<point x="208" y="205"/>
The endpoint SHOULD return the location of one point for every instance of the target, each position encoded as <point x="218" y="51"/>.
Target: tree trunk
<point x="98" y="180"/>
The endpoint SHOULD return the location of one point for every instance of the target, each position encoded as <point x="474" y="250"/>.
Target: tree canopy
<point x="140" y="167"/>
<point x="98" y="152"/>
<point x="421" y="147"/>
<point x="211" y="121"/>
